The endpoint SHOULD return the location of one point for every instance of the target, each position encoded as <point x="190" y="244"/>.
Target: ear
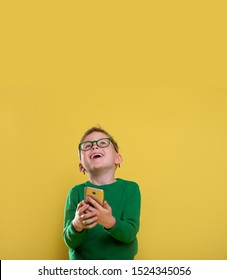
<point x="81" y="168"/>
<point x="118" y="160"/>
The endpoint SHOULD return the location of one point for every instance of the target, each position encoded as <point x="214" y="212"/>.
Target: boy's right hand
<point x="83" y="217"/>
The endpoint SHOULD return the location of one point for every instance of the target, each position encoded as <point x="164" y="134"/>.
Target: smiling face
<point x="98" y="157"/>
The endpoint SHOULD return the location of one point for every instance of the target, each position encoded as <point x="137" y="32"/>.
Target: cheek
<point x="113" y="157"/>
<point x="84" y="158"/>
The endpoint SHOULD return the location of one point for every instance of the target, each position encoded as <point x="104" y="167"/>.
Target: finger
<point x="83" y="209"/>
<point x="91" y="209"/>
<point x="90" y="221"/>
<point x="80" y="205"/>
<point x="93" y="202"/>
<point x="91" y="225"/>
<point x="106" y="206"/>
<point x="88" y="215"/>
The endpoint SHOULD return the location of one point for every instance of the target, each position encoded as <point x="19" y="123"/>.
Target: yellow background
<point x="152" y="74"/>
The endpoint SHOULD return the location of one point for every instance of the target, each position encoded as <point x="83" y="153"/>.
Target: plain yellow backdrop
<point x="173" y="142"/>
<point x="154" y="76"/>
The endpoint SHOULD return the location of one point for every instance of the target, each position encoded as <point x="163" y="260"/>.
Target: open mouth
<point x="94" y="156"/>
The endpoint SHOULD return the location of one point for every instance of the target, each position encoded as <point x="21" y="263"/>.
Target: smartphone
<point x="96" y="194"/>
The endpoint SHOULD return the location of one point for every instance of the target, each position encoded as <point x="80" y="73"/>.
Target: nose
<point x="95" y="146"/>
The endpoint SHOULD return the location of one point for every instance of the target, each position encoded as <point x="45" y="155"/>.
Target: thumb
<point x="106" y="206"/>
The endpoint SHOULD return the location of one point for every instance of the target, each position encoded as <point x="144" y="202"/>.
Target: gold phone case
<point x="96" y="194"/>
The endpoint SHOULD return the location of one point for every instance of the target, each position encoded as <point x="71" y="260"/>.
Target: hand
<point x="84" y="217"/>
<point x="103" y="213"/>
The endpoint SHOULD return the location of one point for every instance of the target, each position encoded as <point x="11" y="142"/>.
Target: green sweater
<point x="98" y="243"/>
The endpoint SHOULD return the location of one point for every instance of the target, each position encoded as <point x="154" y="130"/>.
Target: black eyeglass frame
<point x="96" y="142"/>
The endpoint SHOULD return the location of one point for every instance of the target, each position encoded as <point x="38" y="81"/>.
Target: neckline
<point x="88" y="183"/>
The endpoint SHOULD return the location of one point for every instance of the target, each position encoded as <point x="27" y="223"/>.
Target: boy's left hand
<point x="104" y="213"/>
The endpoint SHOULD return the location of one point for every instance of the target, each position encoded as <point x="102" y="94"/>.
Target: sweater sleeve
<point x="127" y="226"/>
<point x="72" y="238"/>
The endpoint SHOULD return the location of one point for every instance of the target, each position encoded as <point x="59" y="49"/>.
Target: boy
<point x="106" y="232"/>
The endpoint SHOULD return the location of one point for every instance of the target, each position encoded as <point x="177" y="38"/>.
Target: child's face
<point x="99" y="158"/>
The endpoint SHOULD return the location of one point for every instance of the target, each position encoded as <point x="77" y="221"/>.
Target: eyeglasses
<point x="101" y="143"/>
